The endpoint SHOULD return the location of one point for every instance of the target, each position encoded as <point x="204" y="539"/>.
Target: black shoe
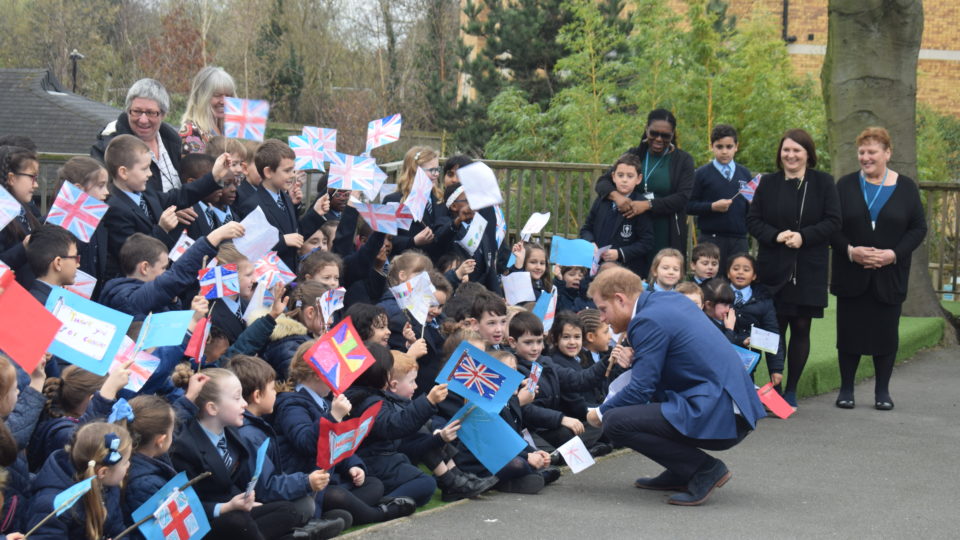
<point x="666" y="481"/>
<point x="342" y="515"/>
<point x="556" y="458"/>
<point x="484" y="483"/>
<point x="319" y="529"/>
<point x="529" y="484"/>
<point x="550" y="474"/>
<point x="397" y="507"/>
<point x="600" y="449"/>
<point x="455" y="486"/>
<point x="884" y="405"/>
<point x="845" y="403"/>
<point x="699" y="488"/>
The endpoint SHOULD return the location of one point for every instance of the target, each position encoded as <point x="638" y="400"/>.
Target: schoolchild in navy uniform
<point x="630" y="240"/>
<point x="19" y="413"/>
<point x="716" y="201"/>
<point x="403" y="267"/>
<point x="532" y="258"/>
<point x="227" y="313"/>
<point x="572" y="288"/>
<point x="101" y="451"/>
<point x="705" y="262"/>
<point x="53" y="257"/>
<point x="597" y="341"/>
<point x="718" y="304"/>
<point x="666" y="271"/>
<point x="754" y="306"/>
<point x="91" y="177"/>
<point x="19" y="168"/>
<point x="302" y="322"/>
<point x="250" y="179"/>
<point x="192" y="168"/>
<point x="489" y="258"/>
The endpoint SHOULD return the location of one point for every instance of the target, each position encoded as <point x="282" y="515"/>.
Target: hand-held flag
<point x="245" y="118"/>
<point x="83" y="284"/>
<point x="76" y="212"/>
<point x="26" y="327"/>
<point x="68" y="497"/>
<point x="474" y="236"/>
<point x="576" y="455"/>
<point x="140" y="370"/>
<point x="772" y="400"/>
<point x="261" y="457"/>
<point x="747" y="189"/>
<point x="331" y="301"/>
<point x="351" y="172"/>
<point x="577" y="252"/>
<point x="546" y="308"/>
<point x="270" y="270"/>
<point x="416" y="295"/>
<point x="325" y="137"/>
<point x="173" y="513"/>
<point x="9" y="207"/>
<point x="181" y="247"/>
<point x="748" y="357"/>
<point x="479" y="378"/>
<point x="419" y="195"/>
<point x="534" y="379"/>
<point x="339" y="356"/>
<point x="404" y="217"/>
<point x="501" y="228"/>
<point x="480" y="184"/>
<point x="309" y="154"/>
<point x="219" y="281"/>
<point x="91" y="333"/>
<point x="339" y="440"/>
<point x="380" y="217"/>
<point x="198" y="341"/>
<point x="535" y="223"/>
<point x="383" y="131"/>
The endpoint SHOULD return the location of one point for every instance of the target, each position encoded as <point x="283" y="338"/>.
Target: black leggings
<point x="273" y="520"/>
<point x="882" y="365"/>
<point x="799" y="348"/>
<point x="361" y="501"/>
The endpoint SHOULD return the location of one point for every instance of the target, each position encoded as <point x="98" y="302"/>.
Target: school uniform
<point x="12" y="251"/>
<point x="589" y="396"/>
<point x="93" y="258"/>
<point x="53" y="434"/>
<point x="148" y="475"/>
<point x="287" y="336"/>
<point x="754" y="307"/>
<point x="573" y="298"/>
<point x="227" y="315"/>
<point x="358" y="263"/>
<point x="205" y="223"/>
<point x="632" y="238"/>
<point x="436" y="217"/>
<point x="430" y="364"/>
<point x="21" y="422"/>
<point x="245" y="191"/>
<point x="281" y="213"/>
<point x="274" y="485"/>
<point x="727" y="230"/>
<point x="512" y="414"/>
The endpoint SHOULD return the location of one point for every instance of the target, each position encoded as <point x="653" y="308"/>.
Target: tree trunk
<point x="869" y="78"/>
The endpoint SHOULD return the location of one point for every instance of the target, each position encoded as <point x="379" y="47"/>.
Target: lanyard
<point x="646" y="164"/>
<point x="863" y="185"/>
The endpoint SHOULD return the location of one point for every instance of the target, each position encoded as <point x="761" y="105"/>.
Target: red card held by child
<point x="26" y="327"/>
<point x="774" y="401"/>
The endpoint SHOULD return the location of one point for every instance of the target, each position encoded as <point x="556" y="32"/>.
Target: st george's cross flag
<point x="747" y="189"/>
<point x="339" y="440"/>
<point x="308" y="153"/>
<point x="383" y="131"/>
<point x="419" y="194"/>
<point x="326" y="138"/>
<point x="380" y="217"/>
<point x="245" y="118"/>
<point x="219" y="281"/>
<point x="479" y="378"/>
<point x="76" y="212"/>
<point x="339" y="357"/>
<point x="175" y="512"/>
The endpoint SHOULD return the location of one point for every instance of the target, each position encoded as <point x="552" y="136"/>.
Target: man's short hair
<point x="702" y="250"/>
<point x="615" y="280"/>
<point x="722" y="130"/>
<point x="123" y="151"/>
<point x="525" y="323"/>
<point x="46" y="244"/>
<point x="271" y="153"/>
<point x="487" y="302"/>
<point x="137" y="249"/>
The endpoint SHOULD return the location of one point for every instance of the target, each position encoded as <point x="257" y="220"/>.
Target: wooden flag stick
<point x="610" y="361"/>
<point x="133" y="527"/>
<point x="66" y="504"/>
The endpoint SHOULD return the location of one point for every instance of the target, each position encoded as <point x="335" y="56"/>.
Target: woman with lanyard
<point x="666" y="184"/>
<point x="883" y="222"/>
<point x="794" y="213"/>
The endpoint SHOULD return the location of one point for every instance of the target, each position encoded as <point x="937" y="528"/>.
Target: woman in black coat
<point x="666" y="185"/>
<point x="883" y="223"/>
<point x="793" y="215"/>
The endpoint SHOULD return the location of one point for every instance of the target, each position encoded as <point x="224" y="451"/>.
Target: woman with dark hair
<point x="793" y="214"/>
<point x="666" y="185"/>
<point x="19" y="169"/>
<point x="883" y="223"/>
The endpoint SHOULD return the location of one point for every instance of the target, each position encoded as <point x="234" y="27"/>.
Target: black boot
<point x="481" y="483"/>
<point x="396" y="507"/>
<point x="319" y="529"/>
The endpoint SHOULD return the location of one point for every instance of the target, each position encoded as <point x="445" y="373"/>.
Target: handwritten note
<point x="765" y="341"/>
<point x="576" y="455"/>
<point x="83" y="333"/>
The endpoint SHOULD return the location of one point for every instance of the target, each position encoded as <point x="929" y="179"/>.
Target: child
<point x="19" y="412"/>
<point x="90" y="176"/>
<point x="704" y="262"/>
<point x="572" y="289"/>
<point x="133" y="208"/>
<point x="228" y="311"/>
<point x="403" y="267"/>
<point x="303" y="321"/>
<point x="323" y="267"/>
<point x="488" y="317"/>
<point x="209" y="441"/>
<point x="717" y="303"/>
<point x="754" y="306"/>
<point x="149" y="286"/>
<point x="192" y="168"/>
<point x="435" y="232"/>
<point x="316" y="242"/>
<point x="250" y="180"/>
<point x="532" y="258"/>
<point x="430" y="364"/>
<point x="54" y="258"/>
<point x="692" y="291"/>
<point x="487" y="257"/>
<point x="629" y="239"/>
<point x="596" y="337"/>
<point x="19" y="168"/>
<point x="371" y="323"/>
<point x="296" y="419"/>
<point x="666" y="270"/>
<point x="99" y="450"/>
<point x="715" y="200"/>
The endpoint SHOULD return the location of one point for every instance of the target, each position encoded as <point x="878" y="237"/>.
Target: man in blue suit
<point x="688" y="389"/>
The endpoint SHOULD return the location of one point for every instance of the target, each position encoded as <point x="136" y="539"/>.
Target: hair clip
<point x="416" y="156"/>
<point x="299" y="304"/>
<point x="112" y="442"/>
<point x="121" y="411"/>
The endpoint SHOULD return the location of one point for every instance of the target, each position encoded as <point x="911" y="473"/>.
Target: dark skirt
<point x="790" y="309"/>
<point x="867" y="326"/>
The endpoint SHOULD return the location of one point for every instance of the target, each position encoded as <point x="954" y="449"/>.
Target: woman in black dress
<point x="883" y="223"/>
<point x="793" y="215"/>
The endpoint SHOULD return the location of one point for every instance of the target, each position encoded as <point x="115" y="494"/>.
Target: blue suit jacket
<point x="681" y="360"/>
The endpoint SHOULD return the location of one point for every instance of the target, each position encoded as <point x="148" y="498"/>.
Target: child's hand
<point x="16" y="536"/>
<point x="240" y="502"/>
<point x="449" y="432"/>
<point x="293" y="240"/>
<point x="200" y="306"/>
<point x="721" y="206"/>
<point x="465" y="269"/>
<point x="730" y="319"/>
<point x="408" y="333"/>
<point x="572" y="424"/>
<point x="196" y="382"/>
<point x="187" y="216"/>
<point x="556" y="268"/>
<point x="610" y="255"/>
<point x="593" y="418"/>
<point x="357" y="475"/>
<point x="39" y="374"/>
<point x="775" y="378"/>
<point x="520" y="253"/>
<point x="318" y="479"/>
<point x="340" y="407"/>
<point x="535" y="460"/>
<point x="115" y="381"/>
<point x="437" y="394"/>
<point x="322" y="206"/>
<point x="417" y="349"/>
<point x="227" y="231"/>
<point x="545" y="456"/>
<point x="279" y="301"/>
<point x="221" y="168"/>
<point x="168" y="219"/>
<point x="423" y="237"/>
<point x="524" y="396"/>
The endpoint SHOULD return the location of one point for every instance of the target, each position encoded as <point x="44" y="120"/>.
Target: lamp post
<point x="74" y="56"/>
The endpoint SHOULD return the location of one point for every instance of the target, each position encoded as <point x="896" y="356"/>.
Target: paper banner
<point x="91" y="333"/>
<point x="488" y="437"/>
<point x="162" y="329"/>
<point x="339" y="440"/>
<point x="471" y="241"/>
<point x="480" y="184"/>
<point x="479" y="378"/>
<point x="566" y="252"/>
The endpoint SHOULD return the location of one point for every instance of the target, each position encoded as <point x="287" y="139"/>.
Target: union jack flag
<point x="140" y="370"/>
<point x="380" y="217"/>
<point x="383" y="131"/>
<point x="9" y="208"/>
<point x="351" y="172"/>
<point x="535" y="370"/>
<point x="747" y="189"/>
<point x="404" y="217"/>
<point x="83" y="284"/>
<point x="270" y="270"/>
<point x="419" y="194"/>
<point x="219" y="281"/>
<point x="330" y="302"/>
<point x="245" y="118"/>
<point x="325" y="137"/>
<point x="76" y="212"/>
<point x="546" y="308"/>
<point x="501" y="224"/>
<point x="309" y="154"/>
<point x="339" y="357"/>
<point x="477" y="376"/>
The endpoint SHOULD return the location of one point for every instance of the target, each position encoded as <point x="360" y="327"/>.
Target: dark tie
<point x="726" y="171"/>
<point x="239" y="312"/>
<point x="739" y="298"/>
<point x="22" y="218"/>
<point x="143" y="207"/>
<point x="227" y="458"/>
<point x="227" y="218"/>
<point x="214" y="223"/>
<point x="280" y="203"/>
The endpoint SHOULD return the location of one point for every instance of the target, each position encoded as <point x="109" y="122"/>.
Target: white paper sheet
<point x="576" y="455"/>
<point x="480" y="184"/>
<point x="535" y="224"/>
<point x="518" y="287"/>
<point x="260" y="235"/>
<point x="471" y="240"/>
<point x="762" y="340"/>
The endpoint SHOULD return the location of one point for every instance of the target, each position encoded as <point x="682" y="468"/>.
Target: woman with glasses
<point x="434" y="232"/>
<point x="203" y="117"/>
<point x="19" y="169"/>
<point x="667" y="181"/>
<point x="145" y="108"/>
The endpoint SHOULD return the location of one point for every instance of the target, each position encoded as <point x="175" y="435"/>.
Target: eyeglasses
<point x="434" y="171"/>
<point x="74" y="257"/>
<point x="137" y="113"/>
<point x="33" y="176"/>
<point x="651" y="134"/>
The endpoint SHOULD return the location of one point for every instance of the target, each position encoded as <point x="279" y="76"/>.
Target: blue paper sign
<point x="480" y="378"/>
<point x="68" y="497"/>
<point x="748" y="357"/>
<point x="566" y="252"/>
<point x="488" y="437"/>
<point x="91" y="333"/>
<point x="162" y="329"/>
<point x="181" y="516"/>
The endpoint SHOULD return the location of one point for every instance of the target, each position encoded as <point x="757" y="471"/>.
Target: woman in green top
<point x="665" y="187"/>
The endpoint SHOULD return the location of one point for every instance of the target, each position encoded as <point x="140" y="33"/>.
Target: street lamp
<point x="74" y="56"/>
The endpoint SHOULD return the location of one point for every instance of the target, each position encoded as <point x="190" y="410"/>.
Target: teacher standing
<point x="793" y="215"/>
<point x="666" y="184"/>
<point x="883" y="222"/>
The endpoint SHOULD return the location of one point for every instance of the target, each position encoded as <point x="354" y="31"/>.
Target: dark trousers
<point x="729" y="245"/>
<point x="644" y="429"/>
<point x="270" y="521"/>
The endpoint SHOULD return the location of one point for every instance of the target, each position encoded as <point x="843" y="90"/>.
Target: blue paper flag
<point x="91" y="333"/>
<point x="488" y="437"/>
<point x="480" y="378"/>
<point x="566" y="252"/>
<point x="261" y="457"/>
<point x="748" y="357"/>
<point x="68" y="497"/>
<point x="178" y="517"/>
<point x="546" y="308"/>
<point x="162" y="329"/>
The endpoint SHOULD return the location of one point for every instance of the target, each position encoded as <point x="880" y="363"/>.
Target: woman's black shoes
<point x="885" y="405"/>
<point x="845" y="400"/>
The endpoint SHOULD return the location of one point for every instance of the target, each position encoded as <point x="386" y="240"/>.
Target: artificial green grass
<point x="952" y="307"/>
